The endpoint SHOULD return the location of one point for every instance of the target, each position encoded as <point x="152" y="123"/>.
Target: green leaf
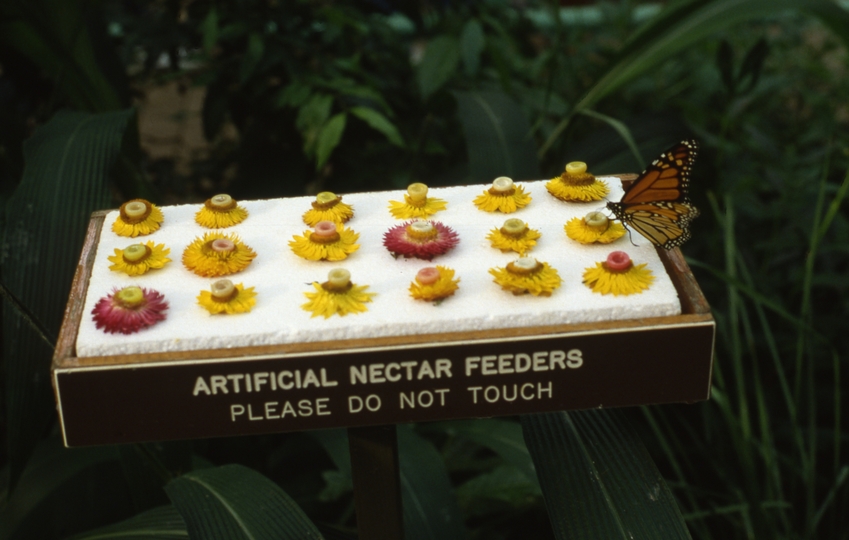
<point x="438" y="65"/>
<point x="380" y="123"/>
<point x="329" y="138"/>
<point x="431" y="511"/>
<point x="253" y="55"/>
<point x="502" y="437"/>
<point x="597" y="478"/>
<point x="311" y="118"/>
<point x="622" y="130"/>
<point x="472" y="43"/>
<point x="161" y="523"/>
<point x="293" y="95"/>
<point x="209" y="29"/>
<point x="65" y="179"/>
<point x="337" y="482"/>
<point x="236" y="502"/>
<point x="505" y="486"/>
<point x="497" y="137"/>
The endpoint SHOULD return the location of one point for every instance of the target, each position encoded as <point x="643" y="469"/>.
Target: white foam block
<point x="281" y="278"/>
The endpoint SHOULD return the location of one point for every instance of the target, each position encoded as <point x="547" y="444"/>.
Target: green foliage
<point x="303" y="96"/>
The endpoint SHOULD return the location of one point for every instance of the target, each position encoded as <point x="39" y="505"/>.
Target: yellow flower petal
<point x="409" y="209"/>
<point x="155" y="258"/>
<point x="603" y="281"/>
<point x="506" y="202"/>
<point x="242" y="302"/>
<point x="200" y="258"/>
<point x="507" y="242"/>
<point x="213" y="218"/>
<point x="148" y="223"/>
<point x="564" y="191"/>
<point x="305" y="247"/>
<point x="442" y="288"/>
<point x="578" y="230"/>
<point x="541" y="282"/>
<point x="327" y="303"/>
<point x="337" y="212"/>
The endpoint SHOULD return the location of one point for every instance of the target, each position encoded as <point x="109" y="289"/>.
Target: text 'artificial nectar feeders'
<point x="527" y="275"/>
<point x="434" y="283"/>
<point x="138" y="259"/>
<point x="137" y="217"/>
<point x="225" y="297"/>
<point x="337" y="296"/>
<point x="595" y="227"/>
<point x="618" y="275"/>
<point x="575" y="184"/>
<point x="328" y="241"/>
<point x="504" y="196"/>
<point x="128" y="310"/>
<point x="217" y="254"/>
<point x="420" y="239"/>
<point x="416" y="203"/>
<point x="328" y="207"/>
<point x="514" y="235"/>
<point x="219" y="212"/>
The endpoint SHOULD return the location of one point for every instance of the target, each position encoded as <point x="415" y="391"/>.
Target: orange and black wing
<point x="667" y="178"/>
<point x="665" y="224"/>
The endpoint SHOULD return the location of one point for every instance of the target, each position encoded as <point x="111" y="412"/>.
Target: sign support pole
<point x="377" y="485"/>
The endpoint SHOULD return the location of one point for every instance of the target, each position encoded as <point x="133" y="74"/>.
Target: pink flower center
<point x="222" y="245"/>
<point x="428" y="275"/>
<point x="618" y="261"/>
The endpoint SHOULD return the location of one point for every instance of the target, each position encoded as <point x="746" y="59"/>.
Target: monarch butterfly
<point x="657" y="205"/>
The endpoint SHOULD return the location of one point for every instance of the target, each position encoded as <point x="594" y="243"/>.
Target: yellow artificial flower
<point x="503" y="196"/>
<point x="219" y="212"/>
<point x="137" y="217"/>
<point x="434" y="283"/>
<point x="527" y="275"/>
<point x="595" y="227"/>
<point x="577" y="185"/>
<point x="137" y="259"/>
<point x="328" y="242"/>
<point x="618" y="275"/>
<point x="225" y="297"/>
<point x="416" y="203"/>
<point x="328" y="207"/>
<point x="337" y="296"/>
<point x="514" y="236"/>
<point x="217" y="254"/>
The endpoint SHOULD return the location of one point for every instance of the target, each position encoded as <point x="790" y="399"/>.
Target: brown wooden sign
<point x="238" y="396"/>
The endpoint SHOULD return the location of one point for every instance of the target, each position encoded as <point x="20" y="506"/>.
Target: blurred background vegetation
<point x="176" y="100"/>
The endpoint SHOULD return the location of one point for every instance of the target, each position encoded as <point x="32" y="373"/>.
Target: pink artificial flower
<point x="128" y="310"/>
<point x="420" y="239"/>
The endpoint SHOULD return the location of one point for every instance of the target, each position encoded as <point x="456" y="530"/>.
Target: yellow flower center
<point x="221" y="203"/>
<point x="596" y="221"/>
<point x="136" y="211"/>
<point x="326" y="200"/>
<point x="222" y="245"/>
<point x="422" y="230"/>
<point x="130" y="297"/>
<point x="418" y="194"/>
<point x="502" y="186"/>
<point x="325" y="233"/>
<point x="575" y="174"/>
<point x="576" y="167"/>
<point x="428" y="275"/>
<point x="223" y="290"/>
<point x="514" y="227"/>
<point x="338" y="280"/>
<point x="524" y="266"/>
<point x="136" y="253"/>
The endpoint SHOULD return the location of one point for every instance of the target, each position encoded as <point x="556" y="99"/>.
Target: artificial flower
<point x="328" y="207"/>
<point x="416" y="203"/>
<point x="527" y="275"/>
<point x="217" y="254"/>
<point x="420" y="239"/>
<point x="327" y="242"/>
<point x="137" y="217"/>
<point x="225" y="297"/>
<point x="577" y="185"/>
<point x="219" y="212"/>
<point x="514" y="235"/>
<point x="503" y="196"/>
<point x="618" y="275"/>
<point x="137" y="259"/>
<point x="434" y="283"/>
<point x="595" y="227"/>
<point x="128" y="310"/>
<point x="337" y="296"/>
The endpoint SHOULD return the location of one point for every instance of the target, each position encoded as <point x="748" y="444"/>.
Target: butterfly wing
<point x="657" y="203"/>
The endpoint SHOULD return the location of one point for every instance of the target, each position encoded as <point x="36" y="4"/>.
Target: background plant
<point x="299" y="95"/>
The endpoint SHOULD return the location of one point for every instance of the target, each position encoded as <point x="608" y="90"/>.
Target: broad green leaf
<point x="497" y="137"/>
<point x="209" y="28"/>
<point x="337" y="482"/>
<point x="598" y="480"/>
<point x="235" y="502"/>
<point x="431" y="511"/>
<point x="472" y="42"/>
<point x="68" y="161"/>
<point x="502" y="437"/>
<point x="438" y="65"/>
<point x="294" y="94"/>
<point x="504" y="486"/>
<point x="311" y="118"/>
<point x="161" y="523"/>
<point x="380" y="123"/>
<point x="253" y="55"/>
<point x="328" y="138"/>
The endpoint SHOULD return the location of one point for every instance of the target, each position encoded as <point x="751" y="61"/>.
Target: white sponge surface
<point x="281" y="278"/>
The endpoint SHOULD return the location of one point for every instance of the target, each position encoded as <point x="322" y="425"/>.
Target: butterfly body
<point x="657" y="204"/>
